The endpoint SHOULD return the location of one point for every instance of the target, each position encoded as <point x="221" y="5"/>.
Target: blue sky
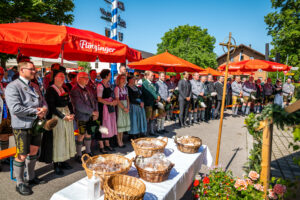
<point x="147" y="21"/>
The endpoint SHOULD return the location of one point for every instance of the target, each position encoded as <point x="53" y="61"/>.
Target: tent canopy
<point x="165" y="62"/>
<point x="44" y="62"/>
<point x="49" y="41"/>
<point x="254" y="65"/>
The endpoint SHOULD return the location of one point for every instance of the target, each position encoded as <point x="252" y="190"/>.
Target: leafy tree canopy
<point x="45" y="11"/>
<point x="86" y="66"/>
<point x="284" y="28"/>
<point x="190" y="43"/>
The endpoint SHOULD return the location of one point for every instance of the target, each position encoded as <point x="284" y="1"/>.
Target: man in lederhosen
<point x="237" y="93"/>
<point x="150" y="96"/>
<point x="210" y="100"/>
<point x="249" y="88"/>
<point x="203" y="95"/>
<point x="86" y="113"/>
<point x="268" y="90"/>
<point x="166" y="97"/>
<point x="288" y="91"/>
<point x="196" y="86"/>
<point x="25" y="104"/>
<point x="171" y="87"/>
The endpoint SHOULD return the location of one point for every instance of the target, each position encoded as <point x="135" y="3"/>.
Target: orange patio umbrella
<point x="165" y="62"/>
<point x="49" y="41"/>
<point x="254" y="65"/>
<point x="213" y="71"/>
<point x="238" y="73"/>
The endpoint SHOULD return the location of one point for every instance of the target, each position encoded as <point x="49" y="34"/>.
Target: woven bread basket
<point x="123" y="187"/>
<point x="154" y="176"/>
<point x="148" y="152"/>
<point x="188" y="148"/>
<point x="86" y="160"/>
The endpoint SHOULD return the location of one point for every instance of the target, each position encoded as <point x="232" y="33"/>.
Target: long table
<point x="181" y="176"/>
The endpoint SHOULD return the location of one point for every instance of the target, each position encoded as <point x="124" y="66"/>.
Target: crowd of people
<point x="136" y="104"/>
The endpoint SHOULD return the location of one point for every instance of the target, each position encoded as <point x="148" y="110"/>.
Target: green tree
<point x="46" y="11"/>
<point x="284" y="28"/>
<point x="190" y="43"/>
<point x="86" y="66"/>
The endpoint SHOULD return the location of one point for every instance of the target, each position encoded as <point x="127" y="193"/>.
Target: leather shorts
<point x="24" y="138"/>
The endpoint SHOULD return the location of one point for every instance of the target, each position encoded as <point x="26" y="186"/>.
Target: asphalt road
<point x="233" y="155"/>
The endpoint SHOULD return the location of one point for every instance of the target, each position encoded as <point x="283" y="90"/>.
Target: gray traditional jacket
<point x="268" y="89"/>
<point x="84" y="103"/>
<point x="163" y="90"/>
<point x="22" y="102"/>
<point x="196" y="88"/>
<point x="236" y="88"/>
<point x="248" y="88"/>
<point x="287" y="89"/>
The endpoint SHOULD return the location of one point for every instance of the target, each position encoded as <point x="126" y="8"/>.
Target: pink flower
<point x="253" y="175"/>
<point x="259" y="187"/>
<point x="249" y="181"/>
<point x="240" y="184"/>
<point x="272" y="194"/>
<point x="279" y="189"/>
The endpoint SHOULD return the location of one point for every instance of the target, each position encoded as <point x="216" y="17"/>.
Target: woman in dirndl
<point x="106" y="105"/>
<point x="123" y="119"/>
<point x="137" y="113"/>
<point x="60" y="106"/>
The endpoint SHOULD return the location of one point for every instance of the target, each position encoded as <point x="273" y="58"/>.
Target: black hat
<point x="55" y="72"/>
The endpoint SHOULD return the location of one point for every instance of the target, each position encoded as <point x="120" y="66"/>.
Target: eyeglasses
<point x="30" y="69"/>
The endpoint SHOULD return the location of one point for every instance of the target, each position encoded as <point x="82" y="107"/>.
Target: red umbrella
<point x="48" y="41"/>
<point x="165" y="62"/>
<point x="254" y="65"/>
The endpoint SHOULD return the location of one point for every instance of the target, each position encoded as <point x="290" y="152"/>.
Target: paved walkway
<point x="233" y="156"/>
<point x="282" y="164"/>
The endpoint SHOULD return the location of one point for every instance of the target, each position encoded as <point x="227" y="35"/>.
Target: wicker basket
<point x="154" y="176"/>
<point x="123" y="187"/>
<point x="104" y="175"/>
<point x="148" y="152"/>
<point x="187" y="148"/>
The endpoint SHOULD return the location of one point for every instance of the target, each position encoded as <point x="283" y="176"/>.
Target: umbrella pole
<point x="228" y="45"/>
<point x="62" y="55"/>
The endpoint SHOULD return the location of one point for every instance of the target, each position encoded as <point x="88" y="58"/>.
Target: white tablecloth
<point x="181" y="176"/>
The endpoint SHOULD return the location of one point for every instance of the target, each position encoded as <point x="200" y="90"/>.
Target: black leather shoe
<point x="165" y="131"/>
<point x="160" y="132"/>
<point x="153" y="134"/>
<point x="23" y="189"/>
<point x="65" y="165"/>
<point x="103" y="151"/>
<point x="91" y="154"/>
<point x="78" y="159"/>
<point x="36" y="181"/>
<point x="108" y="148"/>
<point x="123" y="146"/>
<point x="58" y="170"/>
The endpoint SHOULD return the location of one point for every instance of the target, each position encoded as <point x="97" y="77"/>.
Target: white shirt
<point x="24" y="80"/>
